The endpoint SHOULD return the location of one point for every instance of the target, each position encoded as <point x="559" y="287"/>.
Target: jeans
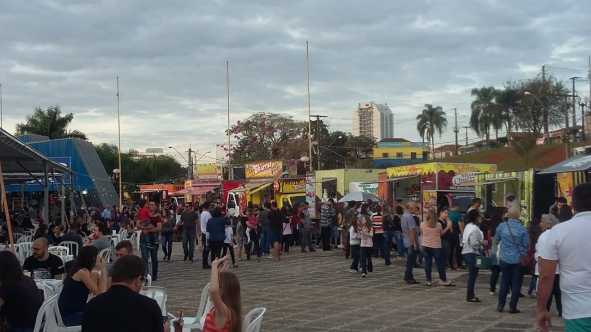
<point x="444" y="252"/>
<point x="345" y="243"/>
<point x="229" y="247"/>
<point x="410" y="263"/>
<point x="431" y="253"/>
<point x="557" y="294"/>
<point x="455" y="251"/>
<point x="205" y="255"/>
<point x="254" y="244"/>
<point x="286" y="242"/>
<point x="378" y="245"/>
<point x="20" y="329"/>
<point x="150" y="256"/>
<point x="388" y="236"/>
<point x="532" y="284"/>
<point x="325" y="235"/>
<point x="510" y="278"/>
<point x="166" y="239"/>
<point x="189" y="245"/>
<point x="355" y="254"/>
<point x="266" y="241"/>
<point x="366" y="263"/>
<point x="334" y="234"/>
<point x="494" y="277"/>
<point x="216" y="249"/>
<point x="73" y="319"/>
<point x="307" y="239"/>
<point x="470" y="260"/>
<point x="399" y="240"/>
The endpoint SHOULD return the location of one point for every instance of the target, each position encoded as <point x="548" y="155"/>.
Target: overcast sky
<point x="170" y="56"/>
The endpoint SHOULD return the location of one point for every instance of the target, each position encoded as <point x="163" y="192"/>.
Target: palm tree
<point x="431" y="120"/>
<point x="508" y="100"/>
<point x="484" y="111"/>
<point x="50" y="123"/>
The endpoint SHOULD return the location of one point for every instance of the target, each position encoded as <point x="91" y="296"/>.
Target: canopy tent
<point x="574" y="164"/>
<point x="17" y="160"/>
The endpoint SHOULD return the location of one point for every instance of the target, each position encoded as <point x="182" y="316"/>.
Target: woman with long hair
<point x="354" y="243"/>
<point x="80" y="282"/>
<point x="366" y="244"/>
<point x="224" y="292"/>
<point x="169" y="220"/>
<point x="20" y="298"/>
<point x="472" y="243"/>
<point x="431" y="242"/>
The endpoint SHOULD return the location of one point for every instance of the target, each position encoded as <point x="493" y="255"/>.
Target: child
<point x="224" y="292"/>
<point x="354" y="242"/>
<point x="229" y="242"/>
<point x="243" y="238"/>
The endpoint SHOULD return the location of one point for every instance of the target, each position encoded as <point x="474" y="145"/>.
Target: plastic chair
<point x="105" y="254"/>
<point x="49" y="287"/>
<point x="158" y="294"/>
<point x="49" y="318"/>
<point x="59" y="250"/>
<point x="25" y="238"/>
<point x="190" y="323"/>
<point x="23" y="250"/>
<point x="253" y="321"/>
<point x="72" y="247"/>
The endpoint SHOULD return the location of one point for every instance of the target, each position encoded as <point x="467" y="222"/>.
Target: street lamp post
<point x="583" y="105"/>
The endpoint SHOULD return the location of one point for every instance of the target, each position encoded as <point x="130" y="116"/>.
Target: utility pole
<point x="456" y="130"/>
<point x="583" y="138"/>
<point x="308" y="105"/>
<point x="544" y="108"/>
<point x="119" y="151"/>
<point x="190" y="164"/>
<point x="466" y="128"/>
<point x="317" y="138"/>
<point x="230" y="176"/>
<point x="574" y="79"/>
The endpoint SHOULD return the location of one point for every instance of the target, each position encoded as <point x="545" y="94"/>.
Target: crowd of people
<point x="443" y="237"/>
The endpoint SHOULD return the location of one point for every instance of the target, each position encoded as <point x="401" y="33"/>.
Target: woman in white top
<point x="472" y="240"/>
<point x="354" y="243"/>
<point x="366" y="232"/>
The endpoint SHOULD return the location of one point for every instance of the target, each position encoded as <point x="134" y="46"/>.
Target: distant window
<point x="399" y="155"/>
<point x="413" y="155"/>
<point x="385" y="155"/>
<point x="425" y="155"/>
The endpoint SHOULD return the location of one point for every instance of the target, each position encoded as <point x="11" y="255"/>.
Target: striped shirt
<point x="377" y="222"/>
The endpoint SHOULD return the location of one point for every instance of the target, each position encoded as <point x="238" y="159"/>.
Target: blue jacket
<point x="514" y="241"/>
<point x="216" y="228"/>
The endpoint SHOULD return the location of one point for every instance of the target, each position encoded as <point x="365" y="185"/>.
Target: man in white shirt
<point x="203" y="219"/>
<point x="568" y="244"/>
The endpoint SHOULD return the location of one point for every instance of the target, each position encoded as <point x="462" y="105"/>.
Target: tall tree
<point x="50" y="123"/>
<point x="264" y="136"/>
<point x="431" y="120"/>
<point x="485" y="113"/>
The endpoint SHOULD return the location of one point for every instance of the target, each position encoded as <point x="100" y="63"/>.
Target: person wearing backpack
<point x="514" y="242"/>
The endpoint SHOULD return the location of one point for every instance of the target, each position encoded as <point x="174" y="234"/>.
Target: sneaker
<point x="492" y="293"/>
<point x="428" y="284"/>
<point x="353" y="271"/>
<point x="411" y="282"/>
<point x="364" y="275"/>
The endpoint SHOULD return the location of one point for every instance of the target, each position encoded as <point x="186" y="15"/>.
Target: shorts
<point x="275" y="237"/>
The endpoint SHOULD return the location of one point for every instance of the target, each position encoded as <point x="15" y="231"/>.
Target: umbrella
<point x="359" y="196"/>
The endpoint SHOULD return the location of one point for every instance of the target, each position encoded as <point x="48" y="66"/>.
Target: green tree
<point x="265" y="136"/>
<point x="50" y="123"/>
<point x="431" y="120"/>
<point x="485" y="113"/>
<point x="508" y="101"/>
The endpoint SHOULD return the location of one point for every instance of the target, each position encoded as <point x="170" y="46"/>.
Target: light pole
<point x="317" y="136"/>
<point x="308" y="105"/>
<point x="189" y="161"/>
<point x="119" y="150"/>
<point x="583" y="105"/>
<point x="1" y="110"/>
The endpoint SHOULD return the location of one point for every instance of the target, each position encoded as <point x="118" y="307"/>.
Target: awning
<point x="435" y="167"/>
<point x="17" y="157"/>
<point x="574" y="164"/>
<point x="260" y="187"/>
<point x="194" y="191"/>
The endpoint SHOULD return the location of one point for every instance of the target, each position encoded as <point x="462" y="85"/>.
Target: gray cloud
<point x="170" y="58"/>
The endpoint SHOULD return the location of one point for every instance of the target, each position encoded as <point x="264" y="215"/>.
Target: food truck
<point x="532" y="190"/>
<point x="434" y="184"/>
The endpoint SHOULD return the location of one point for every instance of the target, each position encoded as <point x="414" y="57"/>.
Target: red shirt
<point x="209" y="324"/>
<point x="143" y="214"/>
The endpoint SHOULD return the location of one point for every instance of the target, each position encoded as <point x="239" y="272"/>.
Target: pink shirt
<point x="431" y="236"/>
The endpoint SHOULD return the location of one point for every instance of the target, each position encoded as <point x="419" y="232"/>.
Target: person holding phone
<point x="224" y="292"/>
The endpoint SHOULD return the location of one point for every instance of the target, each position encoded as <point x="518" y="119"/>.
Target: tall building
<point x="373" y="120"/>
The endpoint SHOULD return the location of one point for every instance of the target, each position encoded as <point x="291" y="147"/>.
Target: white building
<point x="373" y="120"/>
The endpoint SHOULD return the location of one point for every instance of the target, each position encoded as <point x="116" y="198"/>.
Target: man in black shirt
<point x="122" y="308"/>
<point x="42" y="264"/>
<point x="189" y="225"/>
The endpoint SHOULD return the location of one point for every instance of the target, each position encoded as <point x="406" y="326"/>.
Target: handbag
<point x="525" y="260"/>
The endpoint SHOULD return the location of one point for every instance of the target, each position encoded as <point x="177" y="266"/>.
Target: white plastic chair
<point x="25" y="238"/>
<point x="135" y="239"/>
<point x="253" y="321"/>
<point x="158" y="294"/>
<point x="23" y="250"/>
<point x="59" y="250"/>
<point x="49" y="287"/>
<point x="49" y="318"/>
<point x="72" y="247"/>
<point x="190" y="323"/>
<point x="148" y="280"/>
<point x="105" y="254"/>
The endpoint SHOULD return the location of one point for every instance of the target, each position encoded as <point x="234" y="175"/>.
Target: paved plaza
<point x="314" y="292"/>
